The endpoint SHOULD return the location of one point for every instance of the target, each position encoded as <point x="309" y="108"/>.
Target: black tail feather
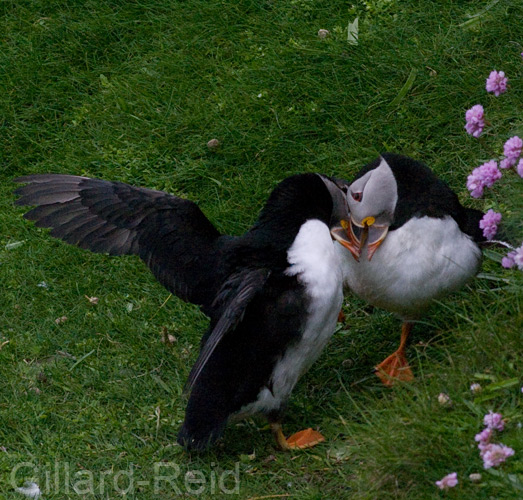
<point x="471" y="224"/>
<point x="197" y="436"/>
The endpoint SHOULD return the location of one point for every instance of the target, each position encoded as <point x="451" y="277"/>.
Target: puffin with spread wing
<point x="272" y="295"/>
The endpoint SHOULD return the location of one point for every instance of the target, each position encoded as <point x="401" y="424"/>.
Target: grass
<point x="133" y="91"/>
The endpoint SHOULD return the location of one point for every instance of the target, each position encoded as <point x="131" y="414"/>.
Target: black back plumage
<point x="421" y="193"/>
<point x="256" y="311"/>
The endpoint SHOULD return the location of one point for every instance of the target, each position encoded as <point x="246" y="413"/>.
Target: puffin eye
<point x="357" y="196"/>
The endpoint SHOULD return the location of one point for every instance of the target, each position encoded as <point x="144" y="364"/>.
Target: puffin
<point x="407" y="241"/>
<point x="272" y="295"/>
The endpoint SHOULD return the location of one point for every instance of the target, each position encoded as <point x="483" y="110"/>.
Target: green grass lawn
<point x="132" y="91"/>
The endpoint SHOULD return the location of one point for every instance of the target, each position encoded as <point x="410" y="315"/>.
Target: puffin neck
<point x="293" y="202"/>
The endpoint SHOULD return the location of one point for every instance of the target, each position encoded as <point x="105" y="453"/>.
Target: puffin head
<point x="371" y="200"/>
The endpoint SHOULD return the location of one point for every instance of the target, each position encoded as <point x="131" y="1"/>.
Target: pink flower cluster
<point x="513" y="259"/>
<point x="496" y="454"/>
<point x="475" y="120"/>
<point x="512" y="151"/>
<point x="489" y="224"/>
<point x="483" y="176"/>
<point x="488" y="173"/>
<point x="493" y="454"/>
<point x="496" y="83"/>
<point x="494" y="421"/>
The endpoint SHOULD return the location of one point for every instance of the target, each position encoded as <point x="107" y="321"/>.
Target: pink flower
<point x="449" y="481"/>
<point x="512" y="259"/>
<point x="507" y="162"/>
<point x="518" y="257"/>
<point x="494" y="421"/>
<point x="483" y="176"/>
<point x="484" y="436"/>
<point x="496" y="454"/>
<point x="508" y="261"/>
<point x="512" y="148"/>
<point x="489" y="224"/>
<point x="519" y="168"/>
<point x="497" y="83"/>
<point x="475" y="120"/>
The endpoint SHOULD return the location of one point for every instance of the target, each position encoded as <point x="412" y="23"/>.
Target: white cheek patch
<point x="379" y="194"/>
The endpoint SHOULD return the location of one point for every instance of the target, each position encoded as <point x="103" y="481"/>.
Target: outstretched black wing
<point x="171" y="235"/>
<point x="233" y="299"/>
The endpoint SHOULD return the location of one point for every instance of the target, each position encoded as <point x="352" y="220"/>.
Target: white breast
<point x="313" y="259"/>
<point x="424" y="259"/>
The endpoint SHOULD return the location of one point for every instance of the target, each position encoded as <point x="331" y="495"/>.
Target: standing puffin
<point x="272" y="295"/>
<point x="409" y="241"/>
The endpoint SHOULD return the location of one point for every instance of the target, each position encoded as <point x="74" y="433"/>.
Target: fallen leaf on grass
<point x="14" y="244"/>
<point x="92" y="300"/>
<point x="352" y="32"/>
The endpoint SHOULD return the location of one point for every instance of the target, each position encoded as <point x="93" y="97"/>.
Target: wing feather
<point x="170" y="234"/>
<point x="236" y="294"/>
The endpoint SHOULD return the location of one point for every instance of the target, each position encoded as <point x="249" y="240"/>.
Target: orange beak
<point x="353" y="236"/>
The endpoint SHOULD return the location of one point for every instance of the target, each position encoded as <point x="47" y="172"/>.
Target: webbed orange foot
<point x="298" y="441"/>
<point x="305" y="439"/>
<point x="394" y="368"/>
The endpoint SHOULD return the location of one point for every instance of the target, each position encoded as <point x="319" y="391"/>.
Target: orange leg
<point x="396" y="367"/>
<point x="298" y="441"/>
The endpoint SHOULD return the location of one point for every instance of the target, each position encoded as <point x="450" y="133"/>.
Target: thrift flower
<point x="483" y="176"/>
<point x="323" y="33"/>
<point x="449" y="481"/>
<point x="489" y="224"/>
<point x="484" y="436"/>
<point x="508" y="261"/>
<point x="507" y="162"/>
<point x="518" y="257"/>
<point x="512" y="148"/>
<point x="494" y="421"/>
<point x="497" y="83"/>
<point x="475" y="120"/>
<point x="496" y="454"/>
<point x="519" y="168"/>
